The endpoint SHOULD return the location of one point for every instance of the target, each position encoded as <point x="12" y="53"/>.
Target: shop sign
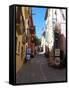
<point x="57" y="60"/>
<point x="28" y="53"/>
<point x="57" y="52"/>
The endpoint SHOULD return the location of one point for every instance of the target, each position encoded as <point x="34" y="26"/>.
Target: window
<point x="57" y="36"/>
<point x="56" y="40"/>
<point x="56" y="43"/>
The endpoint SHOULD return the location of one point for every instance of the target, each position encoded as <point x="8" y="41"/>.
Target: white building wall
<point x="49" y="30"/>
<point x="55" y="17"/>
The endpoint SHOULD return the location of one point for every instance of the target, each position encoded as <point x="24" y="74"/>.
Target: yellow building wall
<point x="19" y="60"/>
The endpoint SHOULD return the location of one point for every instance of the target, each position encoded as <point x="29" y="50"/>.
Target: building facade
<point x="31" y="42"/>
<point x="56" y="35"/>
<point x="22" y="26"/>
<point x="25" y="33"/>
<point x="20" y="38"/>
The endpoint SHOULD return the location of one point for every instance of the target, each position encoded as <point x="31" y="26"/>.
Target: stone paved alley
<point x="37" y="70"/>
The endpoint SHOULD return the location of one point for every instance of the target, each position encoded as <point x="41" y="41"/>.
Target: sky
<point x="38" y="15"/>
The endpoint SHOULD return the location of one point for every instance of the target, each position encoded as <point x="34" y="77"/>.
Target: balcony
<point x="32" y="40"/>
<point x="32" y="29"/>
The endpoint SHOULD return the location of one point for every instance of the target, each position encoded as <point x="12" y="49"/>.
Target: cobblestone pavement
<point x="37" y="70"/>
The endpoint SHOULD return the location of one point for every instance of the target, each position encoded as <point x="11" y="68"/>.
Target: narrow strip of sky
<point x="38" y="15"/>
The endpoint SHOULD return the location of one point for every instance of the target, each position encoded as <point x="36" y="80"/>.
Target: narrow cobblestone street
<point x="37" y="70"/>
